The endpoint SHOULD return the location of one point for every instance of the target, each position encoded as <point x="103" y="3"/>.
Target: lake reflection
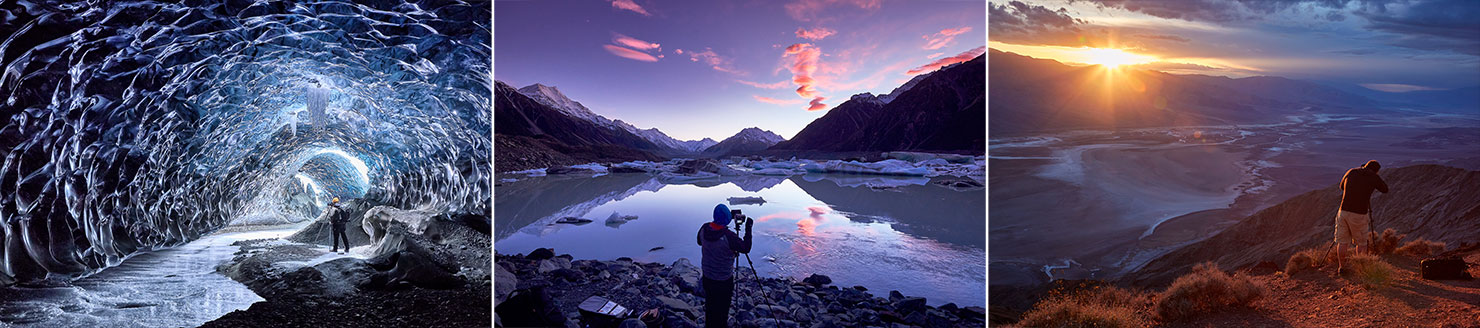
<point x="915" y="237"/>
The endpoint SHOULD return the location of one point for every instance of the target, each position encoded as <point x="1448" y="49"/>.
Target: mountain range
<point x="1031" y="95"/>
<point x="539" y="126"/>
<point x="552" y="97"/>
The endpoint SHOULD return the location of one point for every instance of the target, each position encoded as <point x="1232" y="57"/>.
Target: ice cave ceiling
<point x="133" y="125"/>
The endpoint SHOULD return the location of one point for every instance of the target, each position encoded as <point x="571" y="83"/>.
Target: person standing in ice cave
<point x="337" y="218"/>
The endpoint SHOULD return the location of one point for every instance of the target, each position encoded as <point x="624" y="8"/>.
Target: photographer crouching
<point x="720" y="250"/>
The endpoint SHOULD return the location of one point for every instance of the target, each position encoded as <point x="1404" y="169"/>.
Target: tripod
<point x="756" y="274"/>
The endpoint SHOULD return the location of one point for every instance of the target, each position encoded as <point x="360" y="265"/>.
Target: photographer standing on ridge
<point x="720" y="249"/>
<point x="1353" y="220"/>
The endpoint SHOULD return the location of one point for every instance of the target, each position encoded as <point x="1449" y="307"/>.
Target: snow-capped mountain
<point x="886" y="98"/>
<point x="550" y="96"/>
<point x="747" y="140"/>
<point x="662" y="139"/>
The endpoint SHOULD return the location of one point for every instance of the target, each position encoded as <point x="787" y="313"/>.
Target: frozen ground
<point x="175" y="287"/>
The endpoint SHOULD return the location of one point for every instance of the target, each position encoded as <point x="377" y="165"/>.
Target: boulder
<point x="540" y="254"/>
<point x="504" y="283"/>
<point x="910" y="305"/>
<point x="817" y="280"/>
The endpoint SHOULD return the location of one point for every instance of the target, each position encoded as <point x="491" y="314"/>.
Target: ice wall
<point x="129" y="126"/>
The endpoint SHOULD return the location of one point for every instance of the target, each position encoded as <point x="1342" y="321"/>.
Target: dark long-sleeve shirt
<point x="1356" y="190"/>
<point x="720" y="248"/>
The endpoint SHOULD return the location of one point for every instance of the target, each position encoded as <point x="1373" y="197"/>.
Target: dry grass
<point x="1206" y="290"/>
<point x="1306" y="259"/>
<point x="1371" y="271"/>
<point x="1093" y="307"/>
<point x="1386" y="242"/>
<point x="1421" y="247"/>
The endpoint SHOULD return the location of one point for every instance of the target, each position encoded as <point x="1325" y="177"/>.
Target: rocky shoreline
<point x="542" y="289"/>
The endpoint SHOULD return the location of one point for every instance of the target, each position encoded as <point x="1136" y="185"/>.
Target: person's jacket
<point x="1357" y="187"/>
<point x="719" y="248"/>
<point x="335" y="215"/>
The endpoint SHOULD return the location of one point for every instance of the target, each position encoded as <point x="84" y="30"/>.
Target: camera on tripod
<point x="738" y="218"/>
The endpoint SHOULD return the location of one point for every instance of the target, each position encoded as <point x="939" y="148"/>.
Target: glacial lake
<point x="913" y="236"/>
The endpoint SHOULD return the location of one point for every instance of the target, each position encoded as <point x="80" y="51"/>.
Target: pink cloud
<point x="817" y="104"/>
<point x="938" y="54"/>
<point x="775" y="101"/>
<point x="803" y="65"/>
<point x="633" y="43"/>
<point x="815" y="34"/>
<point x="777" y="85"/>
<point x="938" y="63"/>
<point x="629" y="5"/>
<point x="714" y="60"/>
<point x="629" y="53"/>
<point x="805" y="10"/>
<point x="944" y="38"/>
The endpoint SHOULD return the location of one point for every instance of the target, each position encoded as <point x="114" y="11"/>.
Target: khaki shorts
<point x="1352" y="228"/>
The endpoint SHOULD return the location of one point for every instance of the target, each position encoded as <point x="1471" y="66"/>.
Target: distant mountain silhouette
<point x="1037" y="95"/>
<point x="1427" y="201"/>
<point x="945" y="111"/>
<point x="529" y="134"/>
<point x="746" y="141"/>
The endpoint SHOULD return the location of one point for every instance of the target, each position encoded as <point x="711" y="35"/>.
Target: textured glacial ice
<point x="131" y="126"/>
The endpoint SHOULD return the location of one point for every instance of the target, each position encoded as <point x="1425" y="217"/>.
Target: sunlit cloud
<point x="938" y="54"/>
<point x="804" y="64"/>
<point x="633" y="43"/>
<point x="817" y="104"/>
<point x="630" y="6"/>
<point x="944" y="37"/>
<point x="629" y="53"/>
<point x="777" y="85"/>
<point x="775" y="101"/>
<point x="943" y="62"/>
<point x="714" y="60"/>
<point x="807" y="10"/>
<point x="815" y="34"/>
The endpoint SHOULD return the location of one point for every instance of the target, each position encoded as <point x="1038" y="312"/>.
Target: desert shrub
<point x="1306" y="259"/>
<point x="1206" y="290"/>
<point x="1370" y="271"/>
<point x="1095" y="307"/>
<point x="1386" y="242"/>
<point x="1421" y="247"/>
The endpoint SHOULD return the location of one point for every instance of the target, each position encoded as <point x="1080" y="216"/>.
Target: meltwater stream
<point x="175" y="287"/>
<point x="916" y="237"/>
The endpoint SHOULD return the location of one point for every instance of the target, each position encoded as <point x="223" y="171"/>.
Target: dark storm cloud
<point x="1418" y="24"/>
<point x="1430" y="25"/>
<point x="1213" y="10"/>
<point x="1021" y="23"/>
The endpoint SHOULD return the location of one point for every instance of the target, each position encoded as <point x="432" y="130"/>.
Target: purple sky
<point x="696" y="69"/>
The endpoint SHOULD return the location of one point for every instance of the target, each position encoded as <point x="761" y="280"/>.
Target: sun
<point x="1113" y="58"/>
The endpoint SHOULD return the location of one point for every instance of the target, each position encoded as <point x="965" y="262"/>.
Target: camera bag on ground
<point x="1444" y="269"/>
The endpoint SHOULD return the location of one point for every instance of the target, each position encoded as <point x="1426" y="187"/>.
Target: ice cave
<point x="137" y="126"/>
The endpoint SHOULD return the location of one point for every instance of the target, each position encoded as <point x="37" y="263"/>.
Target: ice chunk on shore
<point x="774" y="171"/>
<point x="747" y="200"/>
<point x="884" y="167"/>
<point x="539" y="172"/>
<point x="617" y="219"/>
<point x="915" y="157"/>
